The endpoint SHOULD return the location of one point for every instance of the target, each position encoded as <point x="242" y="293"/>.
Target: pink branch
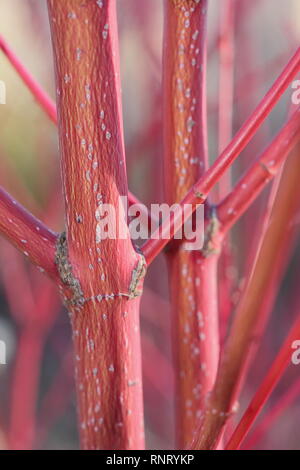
<point x="28" y="234"/>
<point x="280" y="364"/>
<point x="42" y="98"/>
<point x="16" y="284"/>
<point x="283" y="402"/>
<point x="25" y="388"/>
<point x="102" y="276"/>
<point x="262" y="171"/>
<point x="226" y="82"/>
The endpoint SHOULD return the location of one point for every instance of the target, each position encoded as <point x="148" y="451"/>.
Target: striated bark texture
<point x="101" y="277"/>
<point x="192" y="274"/>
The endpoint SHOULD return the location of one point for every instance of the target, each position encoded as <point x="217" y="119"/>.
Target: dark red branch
<point x="27" y="234"/>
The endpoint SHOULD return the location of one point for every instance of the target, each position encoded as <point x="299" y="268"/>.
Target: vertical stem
<point x="226" y="83"/>
<point x="253" y="309"/>
<point x="101" y="275"/>
<point x="42" y="98"/>
<point x="24" y="389"/>
<point x="192" y="276"/>
<point x="225" y="116"/>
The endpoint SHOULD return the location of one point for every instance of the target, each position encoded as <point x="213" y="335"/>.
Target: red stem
<point x="101" y="276"/>
<point x="226" y="83"/>
<point x="24" y="389"/>
<point x="42" y="98"/>
<point x="28" y="234"/>
<point x="283" y="402"/>
<point x="262" y="171"/>
<point x="280" y="364"/>
<point x="198" y="193"/>
<point x="247" y="321"/>
<point x="191" y="275"/>
<point x="225" y="122"/>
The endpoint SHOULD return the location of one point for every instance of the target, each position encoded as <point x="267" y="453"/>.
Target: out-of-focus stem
<point x="43" y="99"/>
<point x="24" y="389"/>
<point x="226" y="84"/>
<point x="280" y="364"/>
<point x="283" y="402"/>
<point x="261" y="172"/>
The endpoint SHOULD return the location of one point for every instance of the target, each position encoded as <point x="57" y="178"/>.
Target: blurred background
<point x="37" y="400"/>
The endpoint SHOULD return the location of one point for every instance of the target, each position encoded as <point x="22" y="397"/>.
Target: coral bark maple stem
<point x="192" y="276"/>
<point x="101" y="275"/>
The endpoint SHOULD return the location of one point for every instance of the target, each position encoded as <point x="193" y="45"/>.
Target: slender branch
<point x="226" y="83"/>
<point x="44" y="100"/>
<point x="28" y="234"/>
<point x="227" y="13"/>
<point x="281" y="259"/>
<point x="40" y="95"/>
<point x="262" y="171"/>
<point x="283" y="402"/>
<point x="198" y="193"/>
<point x="280" y="364"/>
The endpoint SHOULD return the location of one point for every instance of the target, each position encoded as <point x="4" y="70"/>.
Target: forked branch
<point x="199" y="192"/>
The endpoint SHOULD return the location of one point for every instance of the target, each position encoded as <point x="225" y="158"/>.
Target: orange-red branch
<point x="199" y="192"/>
<point x="262" y="171"/>
<point x="280" y="364"/>
<point x="102" y="276"/>
<point x="40" y="95"/>
<point x="28" y="234"/>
